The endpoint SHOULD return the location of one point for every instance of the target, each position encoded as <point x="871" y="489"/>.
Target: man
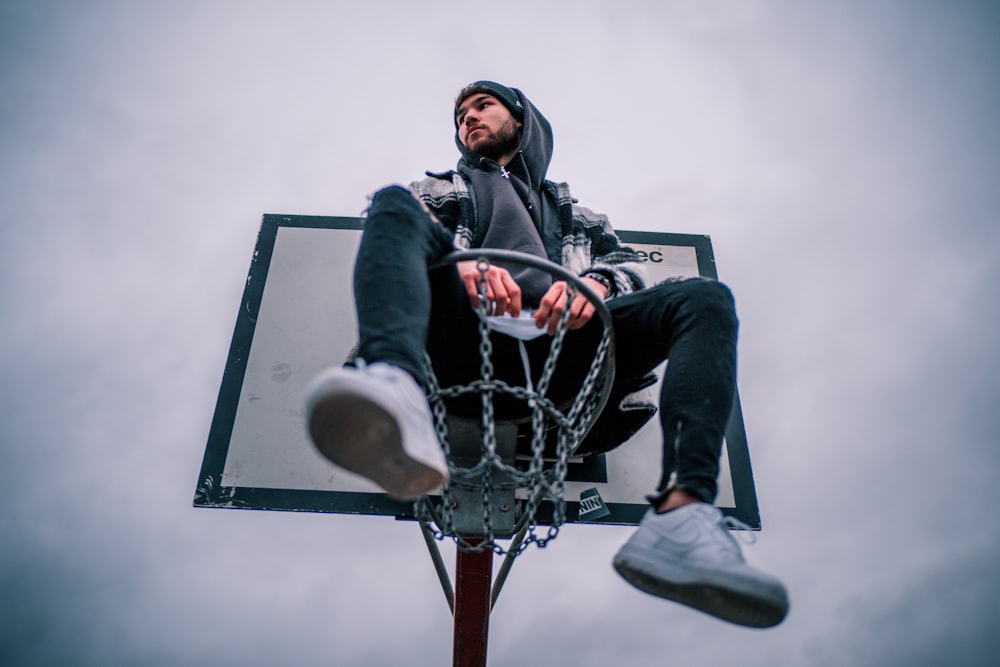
<point x="373" y="418"/>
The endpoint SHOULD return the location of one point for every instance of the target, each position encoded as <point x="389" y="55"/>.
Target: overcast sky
<point x="843" y="156"/>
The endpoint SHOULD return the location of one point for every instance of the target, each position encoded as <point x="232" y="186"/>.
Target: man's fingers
<point x="513" y="291"/>
<point x="554" y="304"/>
<point x="581" y="311"/>
<point x="472" y="289"/>
<point x="544" y="310"/>
<point x="469" y="273"/>
<point x="500" y="298"/>
<point x="586" y="313"/>
<point x="503" y="294"/>
<point x="580" y="302"/>
<point x="556" y="301"/>
<point x="557" y="314"/>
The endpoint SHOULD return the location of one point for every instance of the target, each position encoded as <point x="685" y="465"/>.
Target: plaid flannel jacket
<point x="589" y="244"/>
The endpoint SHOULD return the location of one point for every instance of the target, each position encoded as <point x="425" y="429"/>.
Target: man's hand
<point x="503" y="295"/>
<point x="553" y="306"/>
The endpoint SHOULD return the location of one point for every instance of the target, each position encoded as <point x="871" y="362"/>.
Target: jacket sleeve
<point x="440" y="196"/>
<point x="619" y="263"/>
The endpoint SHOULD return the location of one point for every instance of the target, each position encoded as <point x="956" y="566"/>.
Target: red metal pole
<point x="473" y="577"/>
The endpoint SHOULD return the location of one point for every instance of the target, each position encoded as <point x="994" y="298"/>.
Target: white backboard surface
<point x="297" y="317"/>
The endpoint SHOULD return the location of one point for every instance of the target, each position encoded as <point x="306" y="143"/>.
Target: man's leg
<point x="693" y="324"/>
<point x="392" y="287"/>
<point x="682" y="550"/>
<point x="373" y="419"/>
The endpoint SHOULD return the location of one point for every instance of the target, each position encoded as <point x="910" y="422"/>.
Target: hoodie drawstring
<point x="527" y="177"/>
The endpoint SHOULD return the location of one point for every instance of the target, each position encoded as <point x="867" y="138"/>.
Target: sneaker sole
<point x="727" y="604"/>
<point x="360" y="436"/>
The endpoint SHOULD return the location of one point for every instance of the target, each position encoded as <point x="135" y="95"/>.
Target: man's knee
<point x="711" y="292"/>
<point x="701" y="298"/>
<point x="710" y="298"/>
<point x="395" y="212"/>
<point x="393" y="199"/>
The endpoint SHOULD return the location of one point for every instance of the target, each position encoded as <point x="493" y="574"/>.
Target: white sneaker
<point x="687" y="555"/>
<point x="375" y="421"/>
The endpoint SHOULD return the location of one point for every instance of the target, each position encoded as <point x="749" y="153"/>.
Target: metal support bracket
<point x="465" y="439"/>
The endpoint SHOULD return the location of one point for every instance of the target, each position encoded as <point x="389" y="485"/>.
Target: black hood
<point x="532" y="161"/>
<point x="512" y="211"/>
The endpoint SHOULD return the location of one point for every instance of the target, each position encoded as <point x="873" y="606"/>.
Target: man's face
<point x="486" y="127"/>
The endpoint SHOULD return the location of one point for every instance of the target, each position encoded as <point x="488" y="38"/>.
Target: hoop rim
<point x="494" y="255"/>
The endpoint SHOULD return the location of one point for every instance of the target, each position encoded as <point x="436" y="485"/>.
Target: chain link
<point x="541" y="484"/>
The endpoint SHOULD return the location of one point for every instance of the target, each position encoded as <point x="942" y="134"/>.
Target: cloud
<point x="841" y="157"/>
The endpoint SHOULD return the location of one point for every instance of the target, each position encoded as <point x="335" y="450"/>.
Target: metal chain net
<point x="541" y="483"/>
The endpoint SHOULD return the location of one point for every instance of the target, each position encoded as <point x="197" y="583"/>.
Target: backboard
<point x="297" y="317"/>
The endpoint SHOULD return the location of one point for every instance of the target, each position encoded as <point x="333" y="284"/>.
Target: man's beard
<point x="505" y="140"/>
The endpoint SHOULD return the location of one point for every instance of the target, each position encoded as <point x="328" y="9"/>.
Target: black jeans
<point x="404" y="309"/>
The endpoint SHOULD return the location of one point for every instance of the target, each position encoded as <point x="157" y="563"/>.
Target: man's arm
<point x="596" y="254"/>
<point x="554" y="304"/>
<point x="447" y="198"/>
<point x="619" y="264"/>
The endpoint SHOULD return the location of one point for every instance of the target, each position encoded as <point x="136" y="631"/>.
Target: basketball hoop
<point x="480" y="503"/>
<point x="488" y="496"/>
